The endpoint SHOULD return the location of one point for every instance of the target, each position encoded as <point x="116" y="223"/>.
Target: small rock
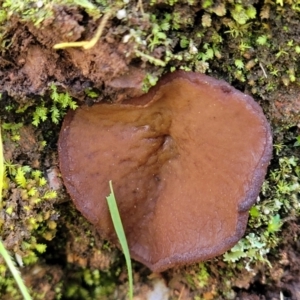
<point x="159" y="292"/>
<point x="54" y="179"/>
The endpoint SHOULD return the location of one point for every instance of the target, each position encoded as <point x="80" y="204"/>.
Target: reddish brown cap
<point x="187" y="160"/>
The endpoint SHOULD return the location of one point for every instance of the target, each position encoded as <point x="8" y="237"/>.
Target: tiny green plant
<point x="60" y="102"/>
<point x="116" y="219"/>
<point x="297" y="143"/>
<point x="14" y="271"/>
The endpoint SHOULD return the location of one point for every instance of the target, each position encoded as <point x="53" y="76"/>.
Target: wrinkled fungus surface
<point x="187" y="161"/>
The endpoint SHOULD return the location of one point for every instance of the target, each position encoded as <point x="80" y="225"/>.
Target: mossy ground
<point x="254" y="45"/>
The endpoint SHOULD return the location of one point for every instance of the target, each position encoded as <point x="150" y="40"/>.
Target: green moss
<point x="100" y="284"/>
<point x="26" y="207"/>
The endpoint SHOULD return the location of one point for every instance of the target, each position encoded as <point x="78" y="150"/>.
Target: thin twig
<point x="140" y="6"/>
<point x="181" y="293"/>
<point x="261" y="66"/>
<point x="87" y="44"/>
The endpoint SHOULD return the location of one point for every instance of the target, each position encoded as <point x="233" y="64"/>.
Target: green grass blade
<point x="8" y="260"/>
<point x="116" y="219"/>
<point x="14" y="271"/>
<point x="1" y="166"/>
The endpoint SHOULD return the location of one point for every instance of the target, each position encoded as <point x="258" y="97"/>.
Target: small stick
<point x="87" y="44"/>
<point x="140" y="6"/>
<point x="261" y="66"/>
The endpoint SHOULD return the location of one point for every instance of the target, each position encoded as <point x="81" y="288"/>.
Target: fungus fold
<point x="187" y="161"/>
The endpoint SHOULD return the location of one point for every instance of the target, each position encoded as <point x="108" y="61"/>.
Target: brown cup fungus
<point x="187" y="161"/>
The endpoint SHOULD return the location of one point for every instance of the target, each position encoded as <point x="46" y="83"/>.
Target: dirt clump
<point x="32" y="63"/>
<point x="286" y="104"/>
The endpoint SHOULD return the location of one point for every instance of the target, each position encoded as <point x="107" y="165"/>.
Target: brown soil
<point x="32" y="63"/>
